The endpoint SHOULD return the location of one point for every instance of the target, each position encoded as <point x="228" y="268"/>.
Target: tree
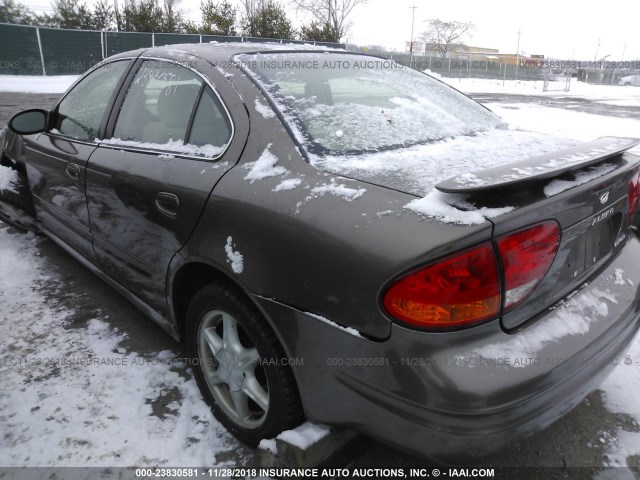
<point x="269" y="21"/>
<point x="218" y="18"/>
<point x="12" y="12"/>
<point x="70" y="14"/>
<point x="171" y="18"/>
<point x="334" y="13"/>
<point x="104" y="16"/>
<point x="141" y="16"/>
<point x="443" y="35"/>
<point x="319" y="33"/>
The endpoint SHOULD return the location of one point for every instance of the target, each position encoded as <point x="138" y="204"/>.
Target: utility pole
<point x="115" y="9"/>
<point x="518" y="55"/>
<point x="413" y="17"/>
<point x="595" y="57"/>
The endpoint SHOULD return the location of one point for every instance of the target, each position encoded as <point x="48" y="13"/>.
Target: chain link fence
<point x="27" y="50"/>
<point x="491" y="68"/>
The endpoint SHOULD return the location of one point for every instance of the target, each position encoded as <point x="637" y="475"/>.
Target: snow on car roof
<point x="219" y="51"/>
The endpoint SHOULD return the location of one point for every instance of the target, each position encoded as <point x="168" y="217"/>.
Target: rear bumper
<point x="465" y="394"/>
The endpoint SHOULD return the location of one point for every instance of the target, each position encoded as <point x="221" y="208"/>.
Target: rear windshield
<point x="349" y="104"/>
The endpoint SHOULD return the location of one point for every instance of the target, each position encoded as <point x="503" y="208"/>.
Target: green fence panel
<point x="70" y="52"/>
<point x="118" y="42"/>
<point x="19" y="52"/>
<point x="173" y="38"/>
<point x="221" y="39"/>
<point x="341" y="46"/>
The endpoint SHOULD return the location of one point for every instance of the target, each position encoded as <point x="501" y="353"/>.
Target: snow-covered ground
<point x="611" y="94"/>
<point x="31" y="84"/>
<point x="89" y="401"/>
<point x="74" y="397"/>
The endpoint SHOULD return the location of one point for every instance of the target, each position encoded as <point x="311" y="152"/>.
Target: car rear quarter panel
<point x="321" y="253"/>
<point x="431" y="394"/>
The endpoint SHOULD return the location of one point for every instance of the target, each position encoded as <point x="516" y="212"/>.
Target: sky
<point x="557" y="29"/>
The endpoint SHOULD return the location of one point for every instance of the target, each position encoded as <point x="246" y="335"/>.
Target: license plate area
<point x="596" y="241"/>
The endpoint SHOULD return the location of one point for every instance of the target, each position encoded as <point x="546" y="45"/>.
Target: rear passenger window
<point x="158" y="105"/>
<point x="210" y="125"/>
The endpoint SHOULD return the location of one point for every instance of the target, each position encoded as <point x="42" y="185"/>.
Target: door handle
<point x="167" y="204"/>
<point x="72" y="170"/>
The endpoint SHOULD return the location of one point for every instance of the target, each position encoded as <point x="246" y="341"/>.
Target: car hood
<point x="416" y="170"/>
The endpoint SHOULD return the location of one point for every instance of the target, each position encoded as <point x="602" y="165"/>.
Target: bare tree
<point x="332" y="14"/>
<point x="443" y="35"/>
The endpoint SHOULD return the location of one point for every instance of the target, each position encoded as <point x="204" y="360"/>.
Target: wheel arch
<point x="191" y="276"/>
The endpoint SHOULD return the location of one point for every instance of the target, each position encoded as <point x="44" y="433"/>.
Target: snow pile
<point x="8" y="177"/>
<point x="234" y="258"/>
<point x="469" y="179"/>
<point x="618" y="276"/>
<point x="268" y="445"/>
<point x="584" y="176"/>
<point x="264" y="110"/>
<point x="70" y="395"/>
<point x="178" y="146"/>
<point x="338" y="190"/>
<point x="288" y="184"/>
<point x="303" y="437"/>
<point x="572" y="317"/>
<point x="264" y="167"/>
<point x="32" y="84"/>
<point x="441" y="206"/>
<point x="611" y="145"/>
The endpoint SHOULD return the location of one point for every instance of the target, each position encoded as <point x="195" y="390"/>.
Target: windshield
<point x="347" y="104"/>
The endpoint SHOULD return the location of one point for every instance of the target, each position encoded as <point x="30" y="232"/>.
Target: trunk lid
<point x="591" y="206"/>
<point x="583" y="187"/>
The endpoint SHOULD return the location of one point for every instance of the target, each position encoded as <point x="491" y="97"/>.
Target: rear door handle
<point x="72" y="170"/>
<point x="167" y="204"/>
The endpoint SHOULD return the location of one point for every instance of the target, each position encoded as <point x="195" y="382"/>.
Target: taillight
<point x="460" y="290"/>
<point x="526" y="257"/>
<point x="464" y="289"/>
<point x="634" y="194"/>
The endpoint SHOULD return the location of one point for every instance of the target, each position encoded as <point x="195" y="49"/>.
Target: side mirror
<point x="29" y="122"/>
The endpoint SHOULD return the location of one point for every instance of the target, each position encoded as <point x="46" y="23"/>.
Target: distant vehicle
<point x="630" y="80"/>
<point x="337" y="238"/>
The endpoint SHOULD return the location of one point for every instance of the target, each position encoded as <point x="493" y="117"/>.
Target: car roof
<point x="222" y="51"/>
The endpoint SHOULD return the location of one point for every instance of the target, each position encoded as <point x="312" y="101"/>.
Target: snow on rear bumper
<point x="465" y="393"/>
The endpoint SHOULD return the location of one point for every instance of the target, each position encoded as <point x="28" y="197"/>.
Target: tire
<point x="248" y="391"/>
<point x="627" y="84"/>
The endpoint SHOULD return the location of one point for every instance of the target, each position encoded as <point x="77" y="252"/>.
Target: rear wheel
<point x="237" y="364"/>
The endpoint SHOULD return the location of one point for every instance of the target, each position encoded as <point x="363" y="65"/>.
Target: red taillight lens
<point x="464" y="289"/>
<point x="526" y="257"/>
<point x="634" y="194"/>
<point x="460" y="290"/>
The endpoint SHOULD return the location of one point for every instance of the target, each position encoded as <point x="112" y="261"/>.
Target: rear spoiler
<point x="540" y="167"/>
